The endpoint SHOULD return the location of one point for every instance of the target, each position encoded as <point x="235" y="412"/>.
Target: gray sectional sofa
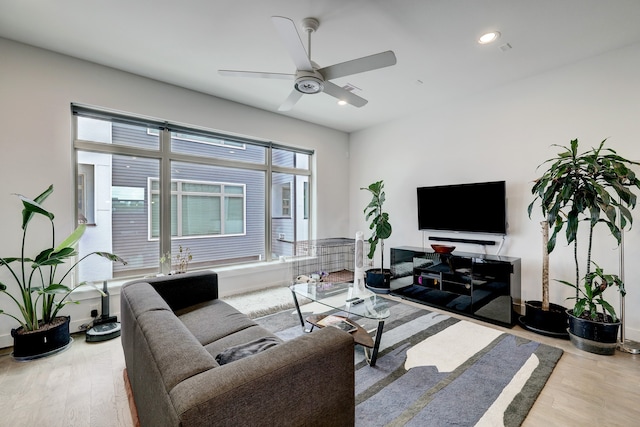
<point x="173" y="328"/>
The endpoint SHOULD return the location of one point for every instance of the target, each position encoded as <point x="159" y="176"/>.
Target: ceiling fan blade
<point x="344" y="95"/>
<point x="360" y="65"/>
<point x="256" y="74"/>
<point x="291" y="100"/>
<point x="289" y="35"/>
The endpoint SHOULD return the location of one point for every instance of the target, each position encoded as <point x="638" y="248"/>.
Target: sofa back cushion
<point x="176" y="352"/>
<point x="184" y="290"/>
<point x="142" y="297"/>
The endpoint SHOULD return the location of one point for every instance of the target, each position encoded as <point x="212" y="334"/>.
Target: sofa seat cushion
<point x="241" y="337"/>
<point x="176" y="352"/>
<point x="276" y="387"/>
<point x="212" y="320"/>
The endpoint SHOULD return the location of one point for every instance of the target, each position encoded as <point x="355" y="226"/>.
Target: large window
<point x="148" y="188"/>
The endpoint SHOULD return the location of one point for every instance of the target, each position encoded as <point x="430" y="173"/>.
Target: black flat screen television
<point x="477" y="208"/>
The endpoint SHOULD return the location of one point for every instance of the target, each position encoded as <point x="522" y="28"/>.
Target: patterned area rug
<point x="435" y="370"/>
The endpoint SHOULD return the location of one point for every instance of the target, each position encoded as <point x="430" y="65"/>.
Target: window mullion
<point x="268" y="182"/>
<point x="165" y="197"/>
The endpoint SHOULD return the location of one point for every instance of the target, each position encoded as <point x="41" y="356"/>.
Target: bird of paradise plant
<point x="40" y="294"/>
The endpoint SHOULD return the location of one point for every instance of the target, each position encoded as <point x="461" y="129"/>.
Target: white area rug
<point x="263" y="302"/>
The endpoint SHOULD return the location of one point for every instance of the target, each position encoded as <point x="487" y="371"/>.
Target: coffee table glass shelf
<point x="353" y="301"/>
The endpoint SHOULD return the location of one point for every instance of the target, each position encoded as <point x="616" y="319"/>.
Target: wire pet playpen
<point x="329" y="260"/>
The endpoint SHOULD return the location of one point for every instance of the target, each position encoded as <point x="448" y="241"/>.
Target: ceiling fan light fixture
<point x="489" y="37"/>
<point x="309" y="85"/>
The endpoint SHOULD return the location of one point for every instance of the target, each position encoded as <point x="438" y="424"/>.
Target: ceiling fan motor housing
<point x="309" y="82"/>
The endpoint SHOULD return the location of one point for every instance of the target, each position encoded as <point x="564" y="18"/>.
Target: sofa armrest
<point x="184" y="290"/>
<point x="309" y="380"/>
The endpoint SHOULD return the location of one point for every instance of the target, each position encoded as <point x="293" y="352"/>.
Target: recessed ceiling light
<point x="489" y="37"/>
<point x="342" y="102"/>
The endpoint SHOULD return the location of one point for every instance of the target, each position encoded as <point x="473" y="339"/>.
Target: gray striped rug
<point x="435" y="370"/>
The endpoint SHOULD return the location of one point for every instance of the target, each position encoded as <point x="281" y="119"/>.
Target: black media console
<point x="486" y="287"/>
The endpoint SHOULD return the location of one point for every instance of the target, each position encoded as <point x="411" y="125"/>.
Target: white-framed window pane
<point x="233" y="189"/>
<point x="197" y="208"/>
<point x="233" y="215"/>
<point x="200" y="216"/>
<point x="154" y="223"/>
<point x="199" y="187"/>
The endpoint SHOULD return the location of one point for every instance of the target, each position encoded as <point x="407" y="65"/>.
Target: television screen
<point x="477" y="207"/>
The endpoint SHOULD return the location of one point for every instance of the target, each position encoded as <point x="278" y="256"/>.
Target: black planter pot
<point x="552" y="323"/>
<point x="593" y="336"/>
<point x="41" y="343"/>
<point x="378" y="282"/>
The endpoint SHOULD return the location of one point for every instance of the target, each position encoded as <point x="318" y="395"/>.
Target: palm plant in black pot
<point x="377" y="279"/>
<point x="593" y="187"/>
<point x="39" y="293"/>
<point x="544" y="317"/>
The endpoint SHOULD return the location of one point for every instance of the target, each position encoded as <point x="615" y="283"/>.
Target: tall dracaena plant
<point x="380" y="226"/>
<point x="36" y="278"/>
<point x="594" y="186"/>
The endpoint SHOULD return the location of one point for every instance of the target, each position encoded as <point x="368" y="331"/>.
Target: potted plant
<point x="593" y="187"/>
<point x="592" y="329"/>
<point x="377" y="279"/>
<point x="182" y="260"/>
<point x="40" y="294"/>
<point x="544" y="317"/>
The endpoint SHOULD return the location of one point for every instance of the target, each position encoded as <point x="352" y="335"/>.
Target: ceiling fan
<point x="309" y="78"/>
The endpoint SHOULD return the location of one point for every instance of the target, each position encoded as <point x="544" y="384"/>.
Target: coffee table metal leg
<point x="371" y="358"/>
<point x="302" y="323"/>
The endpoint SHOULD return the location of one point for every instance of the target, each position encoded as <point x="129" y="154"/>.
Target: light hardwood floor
<point x="84" y="386"/>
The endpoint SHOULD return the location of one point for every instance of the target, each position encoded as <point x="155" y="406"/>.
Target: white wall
<point x="504" y="134"/>
<point x="36" y="90"/>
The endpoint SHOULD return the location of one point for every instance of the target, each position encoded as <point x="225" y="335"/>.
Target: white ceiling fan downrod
<point x="309" y="82"/>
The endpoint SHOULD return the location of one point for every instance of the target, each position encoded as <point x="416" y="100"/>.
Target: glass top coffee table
<point x="352" y="301"/>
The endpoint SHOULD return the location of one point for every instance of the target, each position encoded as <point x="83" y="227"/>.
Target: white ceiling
<point x="185" y="43"/>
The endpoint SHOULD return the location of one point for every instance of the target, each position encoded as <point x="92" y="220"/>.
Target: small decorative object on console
<point x="442" y="249"/>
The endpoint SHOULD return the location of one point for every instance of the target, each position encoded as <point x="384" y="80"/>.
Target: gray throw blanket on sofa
<point x="243" y="350"/>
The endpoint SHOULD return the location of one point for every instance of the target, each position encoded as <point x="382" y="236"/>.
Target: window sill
<point x="113" y="287"/>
